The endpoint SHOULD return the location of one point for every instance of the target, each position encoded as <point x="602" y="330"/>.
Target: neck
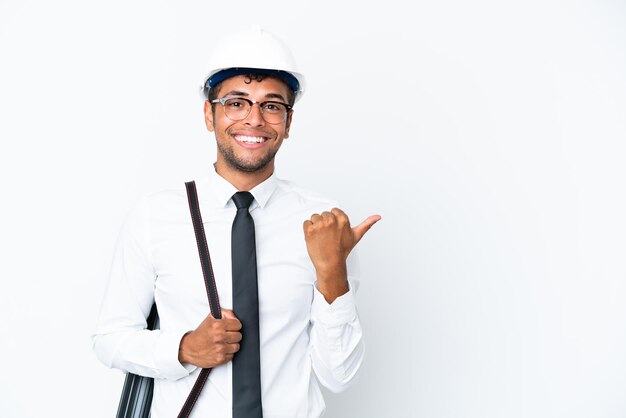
<point x="244" y="181"/>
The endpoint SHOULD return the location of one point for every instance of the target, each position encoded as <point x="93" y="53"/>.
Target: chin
<point x="249" y="166"/>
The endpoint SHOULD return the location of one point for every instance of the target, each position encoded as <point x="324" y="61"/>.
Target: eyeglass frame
<point x="223" y="101"/>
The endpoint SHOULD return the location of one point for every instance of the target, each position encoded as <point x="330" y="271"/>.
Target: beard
<point x="245" y="165"/>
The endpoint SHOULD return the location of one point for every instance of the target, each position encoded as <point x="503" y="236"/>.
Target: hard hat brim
<point x="222" y="75"/>
<point x="294" y="81"/>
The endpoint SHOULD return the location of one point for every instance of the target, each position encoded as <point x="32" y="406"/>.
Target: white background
<point x="489" y="135"/>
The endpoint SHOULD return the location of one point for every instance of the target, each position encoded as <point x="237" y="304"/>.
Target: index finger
<point x="231" y="324"/>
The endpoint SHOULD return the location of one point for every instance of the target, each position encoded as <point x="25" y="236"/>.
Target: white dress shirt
<point x="304" y="340"/>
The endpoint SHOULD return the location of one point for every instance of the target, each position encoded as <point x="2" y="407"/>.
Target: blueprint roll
<point x="136" y="398"/>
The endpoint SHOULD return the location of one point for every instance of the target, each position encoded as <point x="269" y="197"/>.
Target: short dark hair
<point x="249" y="78"/>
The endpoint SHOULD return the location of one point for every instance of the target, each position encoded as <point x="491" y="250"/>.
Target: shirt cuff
<point x="340" y="312"/>
<point x="166" y="354"/>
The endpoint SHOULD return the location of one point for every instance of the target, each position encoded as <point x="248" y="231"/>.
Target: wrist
<point x="182" y="352"/>
<point x="331" y="271"/>
<point x="332" y="283"/>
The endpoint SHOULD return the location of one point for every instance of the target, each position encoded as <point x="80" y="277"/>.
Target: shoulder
<point x="161" y="205"/>
<point x="165" y="197"/>
<point x="293" y="194"/>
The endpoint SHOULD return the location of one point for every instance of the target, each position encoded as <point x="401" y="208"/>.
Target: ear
<point x="288" y="124"/>
<point x="208" y="116"/>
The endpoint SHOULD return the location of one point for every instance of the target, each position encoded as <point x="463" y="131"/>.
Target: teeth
<point x="250" y="139"/>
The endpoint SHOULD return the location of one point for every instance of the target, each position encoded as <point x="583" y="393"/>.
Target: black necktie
<point x="246" y="362"/>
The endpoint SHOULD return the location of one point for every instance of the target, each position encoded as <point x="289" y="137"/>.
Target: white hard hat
<point x="257" y="50"/>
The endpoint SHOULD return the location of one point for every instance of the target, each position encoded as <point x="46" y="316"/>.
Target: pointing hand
<point x="329" y="240"/>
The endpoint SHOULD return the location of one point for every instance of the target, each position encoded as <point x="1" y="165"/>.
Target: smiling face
<point x="247" y="147"/>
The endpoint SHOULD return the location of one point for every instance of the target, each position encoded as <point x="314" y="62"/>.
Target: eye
<point x="236" y="104"/>
<point x="274" y="107"/>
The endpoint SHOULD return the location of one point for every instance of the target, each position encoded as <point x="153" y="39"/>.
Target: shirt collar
<point x="223" y="191"/>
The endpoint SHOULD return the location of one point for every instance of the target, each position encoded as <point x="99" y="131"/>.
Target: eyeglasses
<point x="238" y="108"/>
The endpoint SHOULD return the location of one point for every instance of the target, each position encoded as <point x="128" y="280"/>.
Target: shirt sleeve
<point x="121" y="339"/>
<point x="336" y="335"/>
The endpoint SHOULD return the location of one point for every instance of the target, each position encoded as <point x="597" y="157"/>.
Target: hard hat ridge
<point x="253" y="51"/>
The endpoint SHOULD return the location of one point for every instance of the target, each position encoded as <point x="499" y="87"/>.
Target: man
<point x="308" y="328"/>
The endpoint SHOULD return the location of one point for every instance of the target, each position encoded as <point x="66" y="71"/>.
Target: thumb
<point x="364" y="226"/>
<point x="227" y="313"/>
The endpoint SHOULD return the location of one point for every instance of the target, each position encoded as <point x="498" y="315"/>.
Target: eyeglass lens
<point x="239" y="109"/>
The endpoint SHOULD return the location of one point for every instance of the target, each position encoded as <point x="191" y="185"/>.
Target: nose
<point x="255" y="117"/>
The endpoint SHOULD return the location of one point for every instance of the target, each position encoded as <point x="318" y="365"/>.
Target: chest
<point x="285" y="273"/>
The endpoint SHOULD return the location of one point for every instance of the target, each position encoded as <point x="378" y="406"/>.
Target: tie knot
<point x="243" y="199"/>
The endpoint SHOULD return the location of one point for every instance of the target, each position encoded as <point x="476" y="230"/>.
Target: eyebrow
<point x="244" y="94"/>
